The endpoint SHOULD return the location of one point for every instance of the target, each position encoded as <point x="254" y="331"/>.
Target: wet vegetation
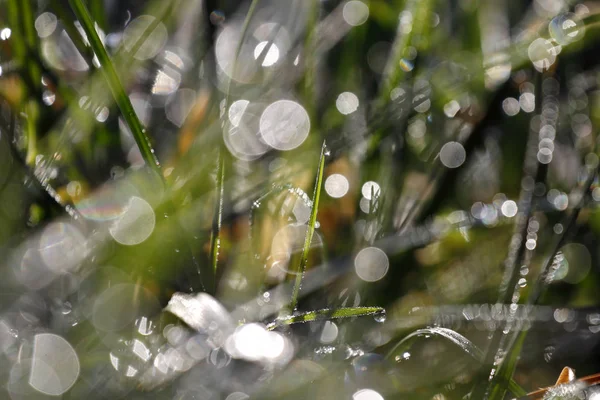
<point x="329" y="199"/>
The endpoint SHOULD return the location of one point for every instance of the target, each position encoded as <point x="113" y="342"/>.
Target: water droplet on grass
<point x="381" y="317"/>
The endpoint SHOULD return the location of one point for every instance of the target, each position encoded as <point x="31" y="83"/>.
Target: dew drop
<point x="381" y="317"/>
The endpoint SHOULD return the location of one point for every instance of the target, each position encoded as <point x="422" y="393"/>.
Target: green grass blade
<point x="116" y="87"/>
<point x="309" y="232"/>
<point x="215" y="237"/>
<point x="496" y="389"/>
<point x="326" y="314"/>
<point x="30" y="125"/>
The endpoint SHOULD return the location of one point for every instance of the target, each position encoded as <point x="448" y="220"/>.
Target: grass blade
<point x="215" y="236"/>
<point x="515" y="342"/>
<point x="455" y="338"/>
<point x="116" y="87"/>
<point x="326" y="314"/>
<point x="309" y="232"/>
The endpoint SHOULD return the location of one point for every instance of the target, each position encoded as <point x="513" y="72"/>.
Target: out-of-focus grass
<point x="413" y="244"/>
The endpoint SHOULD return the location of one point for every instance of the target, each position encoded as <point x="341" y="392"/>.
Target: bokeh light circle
<point x="284" y="125"/>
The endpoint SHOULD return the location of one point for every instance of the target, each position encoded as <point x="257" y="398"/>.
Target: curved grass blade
<point x="326" y="315"/>
<point x="115" y="85"/>
<point x="455" y="338"/>
<point x="309" y="232"/>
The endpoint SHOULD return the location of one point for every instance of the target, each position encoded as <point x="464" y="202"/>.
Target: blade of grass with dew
<point x="215" y="237"/>
<point x="496" y="388"/>
<point x="110" y="73"/>
<point x="501" y="347"/>
<point x="309" y="231"/>
<point x="326" y="314"/>
<point x="117" y="89"/>
<point x="123" y="62"/>
<point x="455" y="338"/>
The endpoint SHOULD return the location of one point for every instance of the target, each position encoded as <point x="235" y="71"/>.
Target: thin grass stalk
<point x="513" y="349"/>
<point x="500" y="342"/>
<point x="215" y="237"/>
<point x="30" y="126"/>
<point x="222" y="154"/>
<point x="300" y="270"/>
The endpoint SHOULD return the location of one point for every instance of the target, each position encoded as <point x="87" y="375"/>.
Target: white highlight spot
<point x="5" y="33"/>
<point x="371" y="264"/>
<point x="355" y="13"/>
<point x="140" y="350"/>
<point x="566" y="28"/>
<point x="370" y="189"/>
<point x="329" y="333"/>
<point x="347" y="103"/>
<point x="253" y="342"/>
<point x="527" y="102"/>
<point x="272" y="55"/>
<point x="45" y="24"/>
<point x="336" y="185"/>
<point x="284" y="125"/>
<point x="136" y="224"/>
<point x="367" y="394"/>
<point x="509" y="208"/>
<point x="511" y="106"/>
<point x="236" y="111"/>
<point x="152" y="42"/>
<point x="62" y="247"/>
<point x="542" y="53"/>
<point x="453" y="155"/>
<point x="54" y="366"/>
